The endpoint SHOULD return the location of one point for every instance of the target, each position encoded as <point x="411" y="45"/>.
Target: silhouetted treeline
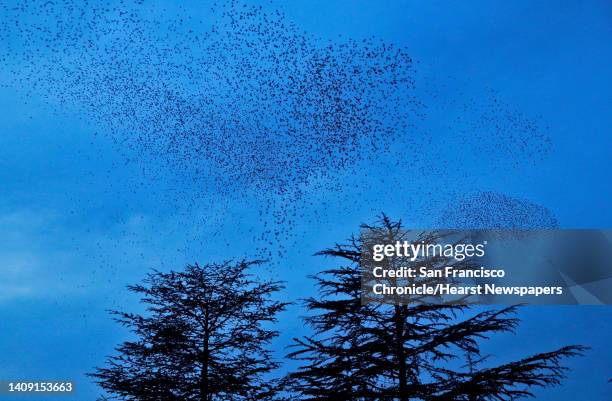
<point x="205" y="336"/>
<point x="419" y="351"/>
<point x="207" y="330"/>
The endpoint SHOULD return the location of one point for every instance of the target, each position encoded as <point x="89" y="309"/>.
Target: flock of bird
<point x="491" y="210"/>
<point x="239" y="102"/>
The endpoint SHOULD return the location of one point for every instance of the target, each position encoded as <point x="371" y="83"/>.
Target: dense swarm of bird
<point x="239" y="102"/>
<point x="492" y="210"/>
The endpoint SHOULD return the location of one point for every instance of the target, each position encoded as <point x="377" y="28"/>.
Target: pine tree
<point x="204" y="336"/>
<point x="409" y="350"/>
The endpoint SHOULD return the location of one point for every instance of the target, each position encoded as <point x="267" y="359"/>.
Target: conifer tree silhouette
<point x="204" y="336"/>
<point x="406" y="351"/>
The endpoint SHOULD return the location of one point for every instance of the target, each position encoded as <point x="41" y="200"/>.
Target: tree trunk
<point x="401" y="358"/>
<point x="204" y="382"/>
<point x="204" y="387"/>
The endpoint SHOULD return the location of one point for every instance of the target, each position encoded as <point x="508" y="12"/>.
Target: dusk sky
<point x="81" y="216"/>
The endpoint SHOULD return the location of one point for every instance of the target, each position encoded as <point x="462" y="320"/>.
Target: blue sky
<point x="78" y="223"/>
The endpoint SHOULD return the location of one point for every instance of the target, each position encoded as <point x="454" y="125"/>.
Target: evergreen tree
<point x="204" y="337"/>
<point x="407" y="350"/>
